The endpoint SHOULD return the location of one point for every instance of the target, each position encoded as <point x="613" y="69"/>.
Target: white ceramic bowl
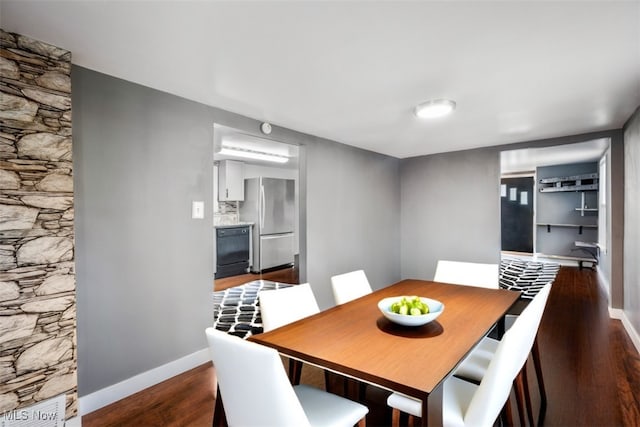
<point x="435" y="309"/>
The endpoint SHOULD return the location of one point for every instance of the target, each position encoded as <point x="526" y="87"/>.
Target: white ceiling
<point x="352" y="71"/>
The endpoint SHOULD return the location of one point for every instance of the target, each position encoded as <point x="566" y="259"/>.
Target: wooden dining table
<point x="356" y="340"/>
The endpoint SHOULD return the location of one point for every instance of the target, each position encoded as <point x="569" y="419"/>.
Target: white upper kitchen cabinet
<point x="230" y="181"/>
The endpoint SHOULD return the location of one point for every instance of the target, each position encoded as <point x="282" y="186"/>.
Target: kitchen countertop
<point x="240" y="224"/>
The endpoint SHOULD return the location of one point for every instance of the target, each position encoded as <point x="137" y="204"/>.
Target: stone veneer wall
<point x="37" y="274"/>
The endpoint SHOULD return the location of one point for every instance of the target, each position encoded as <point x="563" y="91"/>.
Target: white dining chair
<point x="488" y="275"/>
<point x="474" y="366"/>
<point x="255" y="390"/>
<point x="468" y="273"/>
<point x="349" y="286"/>
<point x="468" y="404"/>
<point x="485" y="401"/>
<point x="279" y="307"/>
<point x="471" y="274"/>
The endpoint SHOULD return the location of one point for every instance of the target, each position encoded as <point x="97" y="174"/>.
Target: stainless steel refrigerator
<point x="270" y="204"/>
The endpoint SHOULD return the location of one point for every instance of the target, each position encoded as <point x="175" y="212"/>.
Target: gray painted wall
<point x="353" y="219"/>
<point x="438" y="223"/>
<point x="632" y="221"/>
<point x="450" y="209"/>
<point x="144" y="267"/>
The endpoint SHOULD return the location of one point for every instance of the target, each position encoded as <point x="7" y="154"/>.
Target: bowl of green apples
<point x="410" y="310"/>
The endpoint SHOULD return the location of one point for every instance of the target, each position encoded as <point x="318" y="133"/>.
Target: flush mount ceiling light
<point x="434" y="108"/>
<point x="251" y="154"/>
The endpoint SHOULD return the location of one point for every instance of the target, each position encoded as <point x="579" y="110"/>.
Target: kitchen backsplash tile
<point x="227" y="214"/>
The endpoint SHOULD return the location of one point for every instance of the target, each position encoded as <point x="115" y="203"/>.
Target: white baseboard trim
<point x="115" y="392"/>
<point x="617" y="313"/>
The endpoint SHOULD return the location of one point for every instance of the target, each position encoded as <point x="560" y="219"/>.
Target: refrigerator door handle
<point x="276" y="236"/>
<point x="262" y="207"/>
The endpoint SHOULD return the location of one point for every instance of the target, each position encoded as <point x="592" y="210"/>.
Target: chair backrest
<point x="507" y="361"/>
<point x="528" y="322"/>
<point x="279" y="307"/>
<point x="468" y="273"/>
<point x="254" y="386"/>
<point x="349" y="286"/>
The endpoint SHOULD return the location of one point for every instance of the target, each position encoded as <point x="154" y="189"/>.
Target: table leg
<point x="295" y="371"/>
<point x="219" y="416"/>
<point x="543" y="394"/>
<point x="500" y="327"/>
<point x="432" y="407"/>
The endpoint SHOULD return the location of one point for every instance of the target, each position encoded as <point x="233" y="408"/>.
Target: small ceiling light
<point x="434" y="108"/>
<point x="251" y="154"/>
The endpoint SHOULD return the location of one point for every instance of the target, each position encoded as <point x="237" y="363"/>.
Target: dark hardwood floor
<point x="591" y="372"/>
<point x="282" y="275"/>
<point x="591" y="368"/>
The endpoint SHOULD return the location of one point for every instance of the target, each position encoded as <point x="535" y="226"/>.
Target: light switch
<point x="197" y="210"/>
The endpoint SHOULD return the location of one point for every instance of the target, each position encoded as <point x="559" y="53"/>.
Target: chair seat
<point x="474" y="366"/>
<point x="328" y="410"/>
<point x="457" y="397"/>
<point x="456" y="400"/>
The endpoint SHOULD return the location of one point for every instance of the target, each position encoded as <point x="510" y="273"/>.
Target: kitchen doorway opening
<point x="551" y="202"/>
<point x="256" y="214"/>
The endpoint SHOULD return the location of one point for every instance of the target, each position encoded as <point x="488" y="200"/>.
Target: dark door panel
<point x="517" y="214"/>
